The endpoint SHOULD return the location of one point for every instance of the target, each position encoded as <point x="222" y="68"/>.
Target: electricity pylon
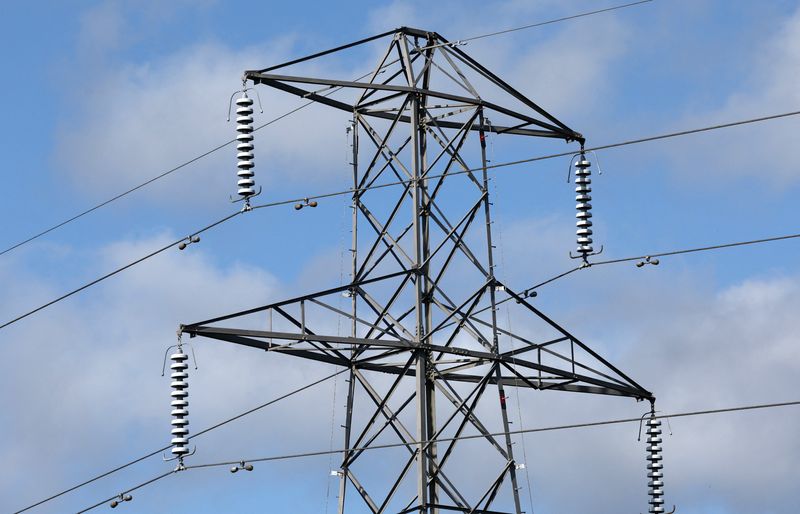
<point x="424" y="346"/>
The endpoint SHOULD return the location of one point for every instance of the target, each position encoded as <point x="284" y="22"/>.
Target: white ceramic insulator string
<point x="583" y="197"/>
<point x="244" y="147"/>
<point x="179" y="367"/>
<point x="655" y="468"/>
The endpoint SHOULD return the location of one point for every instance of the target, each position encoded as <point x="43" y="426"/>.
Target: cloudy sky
<point x="100" y="96"/>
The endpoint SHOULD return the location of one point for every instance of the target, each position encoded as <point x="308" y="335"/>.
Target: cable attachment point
<point x="583" y="197"/>
<point x="121" y="498"/>
<point x="189" y="240"/>
<point x="242" y="465"/>
<point x="647" y="260"/>
<point x="305" y="203"/>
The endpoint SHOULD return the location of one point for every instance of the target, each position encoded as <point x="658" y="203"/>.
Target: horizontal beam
<point x="250" y="338"/>
<point x="347" y="287"/>
<point x="547" y="131"/>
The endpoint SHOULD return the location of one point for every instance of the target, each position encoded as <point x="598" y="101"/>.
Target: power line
<point x="160" y="450"/>
<point x="701" y="249"/>
<point x="405" y="182"/>
<point x="573" y="426"/>
<point x="556" y="20"/>
<point x="127" y="491"/>
<point x="145" y="183"/>
<point x="119" y="270"/>
<point x="274" y="120"/>
<point x="502" y="433"/>
<point x="662" y="254"/>
<point x="667" y="135"/>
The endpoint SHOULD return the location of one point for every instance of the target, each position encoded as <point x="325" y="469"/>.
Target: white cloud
<point x="756" y="151"/>
<point x="140" y="119"/>
<point x="82" y="382"/>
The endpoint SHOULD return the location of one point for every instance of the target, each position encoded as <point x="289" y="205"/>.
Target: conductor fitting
<point x="242" y="465"/>
<point x="305" y="203"/>
<point x="647" y="260"/>
<point x="121" y="498"/>
<point x="189" y="240"/>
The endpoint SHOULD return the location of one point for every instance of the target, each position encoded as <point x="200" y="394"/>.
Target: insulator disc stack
<point x="655" y="468"/>
<point x="180" y="402"/>
<point x="244" y="148"/>
<point x="583" y="189"/>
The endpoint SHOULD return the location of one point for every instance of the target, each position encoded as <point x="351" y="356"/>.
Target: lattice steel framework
<point x="425" y="345"/>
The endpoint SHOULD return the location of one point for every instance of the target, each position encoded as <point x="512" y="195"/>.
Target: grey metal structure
<point x="424" y="345"/>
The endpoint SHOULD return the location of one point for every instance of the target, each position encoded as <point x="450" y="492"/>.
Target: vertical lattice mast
<point x="424" y="344"/>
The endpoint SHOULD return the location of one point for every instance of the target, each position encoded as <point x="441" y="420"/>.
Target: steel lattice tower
<point x="425" y="347"/>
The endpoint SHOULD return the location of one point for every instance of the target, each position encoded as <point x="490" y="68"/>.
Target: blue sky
<point x="99" y="96"/>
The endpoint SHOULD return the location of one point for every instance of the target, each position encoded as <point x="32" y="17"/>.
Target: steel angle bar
<point x="326" y="52"/>
<point x="373" y="177"/>
<point x="405" y="61"/>
<point x="307" y="337"/>
<point x="266" y="345"/>
<point x="424" y="73"/>
<point x="457" y="310"/>
<point x="387" y="318"/>
<point x="467" y="325"/>
<point x="343" y="106"/>
<point x="491" y="493"/>
<point x="447" y="148"/>
<point x="449" y="392"/>
<point x="543" y="347"/>
<point x="366" y="108"/>
<point x="326" y="292"/>
<point x="386" y="251"/>
<point x="381" y="315"/>
<point x="382" y="234"/>
<point x="305" y="331"/>
<point x="381" y="331"/>
<point x="459" y="240"/>
<point x="382" y="403"/>
<point x="356" y="453"/>
<point x="466" y="220"/>
<point x="398" y="481"/>
<point x="382" y="147"/>
<point x="401" y="431"/>
<point x="458" y="82"/>
<point x="378" y="68"/>
<point x="461" y="74"/>
<point x="362" y="491"/>
<point x="282" y="80"/>
<point x="461" y="136"/>
<point x="577" y="341"/>
<point x="445" y="225"/>
<point x="557" y="126"/>
<point x="462" y="321"/>
<point x="466" y="415"/>
<point x="572" y="388"/>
